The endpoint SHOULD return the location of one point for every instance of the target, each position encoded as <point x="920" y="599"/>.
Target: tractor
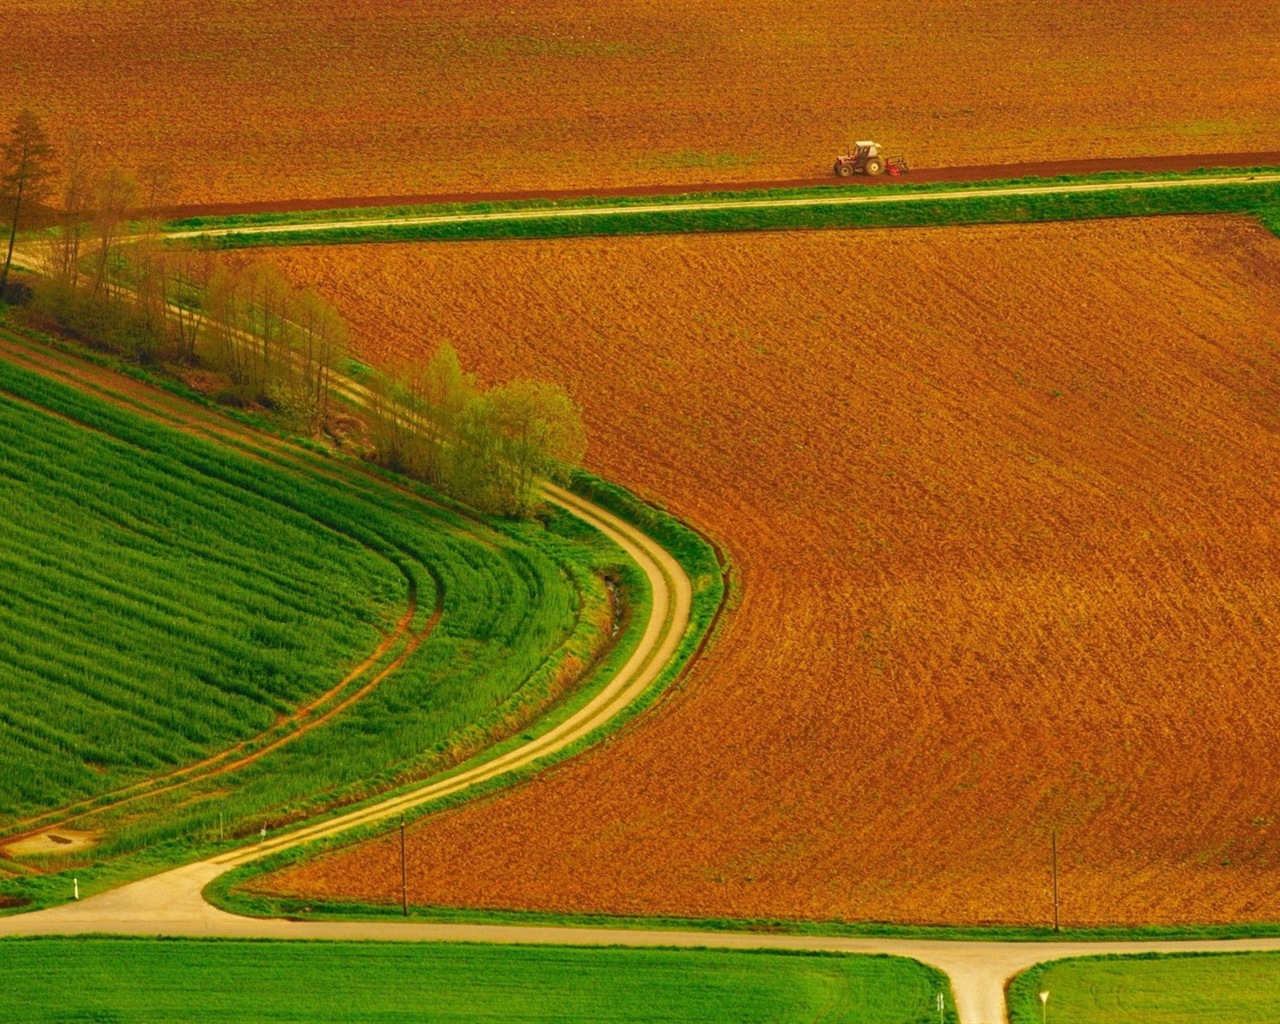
<point x="866" y="159"/>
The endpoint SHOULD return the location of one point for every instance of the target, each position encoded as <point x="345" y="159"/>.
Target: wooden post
<point x="1055" y="879"/>
<point x="404" y="872"/>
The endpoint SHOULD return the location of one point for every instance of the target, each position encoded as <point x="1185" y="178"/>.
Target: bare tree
<point x="26" y="172"/>
<point x="150" y="263"/>
<point x="77" y="193"/>
<point x="190" y="272"/>
<point x="225" y="303"/>
<point x="267" y="293"/>
<point x="390" y="422"/>
<point x="319" y="343"/>
<point x="155" y="186"/>
<point x="114" y="196"/>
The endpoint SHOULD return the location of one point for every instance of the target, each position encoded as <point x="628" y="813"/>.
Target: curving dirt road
<point x="668" y="622"/>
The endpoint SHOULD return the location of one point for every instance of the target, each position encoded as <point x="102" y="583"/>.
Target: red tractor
<point x="866" y="159"/>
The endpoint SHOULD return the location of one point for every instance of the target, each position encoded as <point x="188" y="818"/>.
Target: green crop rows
<point x="166" y="597"/>
<point x="202" y="982"/>
<point x="1204" y="988"/>
<point x="152" y="612"/>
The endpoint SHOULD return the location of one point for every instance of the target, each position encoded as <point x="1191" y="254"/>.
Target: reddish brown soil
<point x="252" y="100"/>
<point x="931" y="174"/>
<point x="1004" y="504"/>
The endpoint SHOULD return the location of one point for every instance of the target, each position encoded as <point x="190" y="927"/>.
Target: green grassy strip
<point x="901" y="187"/>
<point x="1184" y="988"/>
<point x="224" y="892"/>
<point x="218" y="982"/>
<point x="1257" y="200"/>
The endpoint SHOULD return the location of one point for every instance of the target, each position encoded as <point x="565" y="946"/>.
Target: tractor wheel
<point x="843" y="170"/>
<point x="874" y="165"/>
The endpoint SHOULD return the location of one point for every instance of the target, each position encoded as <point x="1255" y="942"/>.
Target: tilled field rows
<point x="250" y="100"/>
<point x="1003" y="501"/>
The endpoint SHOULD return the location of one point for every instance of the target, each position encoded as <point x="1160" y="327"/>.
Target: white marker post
<point x="264" y="834"/>
<point x="75" y="882"/>
<point x="1044" y="1007"/>
<point x="942" y="1009"/>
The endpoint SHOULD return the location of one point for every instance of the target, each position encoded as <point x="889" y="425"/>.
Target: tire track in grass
<point x="306" y="718"/>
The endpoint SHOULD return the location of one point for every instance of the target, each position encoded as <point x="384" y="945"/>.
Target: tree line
<point x="112" y="279"/>
<point x="488" y="448"/>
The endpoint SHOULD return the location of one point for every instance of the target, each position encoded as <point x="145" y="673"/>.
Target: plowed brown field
<point x="1005" y="506"/>
<point x="253" y="99"/>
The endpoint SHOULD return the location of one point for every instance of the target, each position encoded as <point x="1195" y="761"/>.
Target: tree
<point x="191" y="269"/>
<point x="445" y="391"/>
<point x="267" y="292"/>
<point x="225" y="303"/>
<point x="26" y="172"/>
<point x="77" y="192"/>
<point x="320" y="340"/>
<point x="150" y="267"/>
<point x="115" y="194"/>
<point x="391" y="425"/>
<point x="539" y="433"/>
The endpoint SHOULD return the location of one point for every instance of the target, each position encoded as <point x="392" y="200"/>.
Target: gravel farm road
<point x="171" y="903"/>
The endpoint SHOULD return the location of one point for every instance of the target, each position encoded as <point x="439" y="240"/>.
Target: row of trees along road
<point x="114" y="281"/>
<point x="487" y="448"/>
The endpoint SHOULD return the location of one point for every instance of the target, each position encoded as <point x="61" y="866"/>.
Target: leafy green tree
<point x="539" y="434"/>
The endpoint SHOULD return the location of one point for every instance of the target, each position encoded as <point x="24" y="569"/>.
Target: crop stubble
<point x="251" y="100"/>
<point x="1003" y="502"/>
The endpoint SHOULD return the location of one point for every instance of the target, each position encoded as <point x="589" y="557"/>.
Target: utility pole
<point x="404" y="872"/>
<point x="1055" y="879"/>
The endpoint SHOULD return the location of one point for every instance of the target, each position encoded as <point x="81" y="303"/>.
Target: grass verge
<point x="207" y="981"/>
<point x="1183" y="988"/>
<point x="957" y="204"/>
<point x="902" y="187"/>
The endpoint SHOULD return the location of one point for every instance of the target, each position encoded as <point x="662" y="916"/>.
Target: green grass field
<point x="167" y="596"/>
<point x="1213" y="988"/>
<point x="153" y="611"/>
<point x="203" y="982"/>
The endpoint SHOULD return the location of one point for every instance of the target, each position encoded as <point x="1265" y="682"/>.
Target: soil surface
<point x="248" y="101"/>
<point x="919" y="176"/>
<point x="1002" y="504"/>
<point x="53" y="841"/>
